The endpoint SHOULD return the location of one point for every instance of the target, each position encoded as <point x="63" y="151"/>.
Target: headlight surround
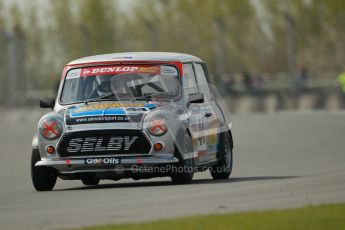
<point x="50" y="128"/>
<point x="157" y="126"/>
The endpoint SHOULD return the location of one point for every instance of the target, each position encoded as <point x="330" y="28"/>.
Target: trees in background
<point x="319" y="30"/>
<point x="232" y="36"/>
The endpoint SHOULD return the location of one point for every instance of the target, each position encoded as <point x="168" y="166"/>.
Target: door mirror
<point x="47" y="103"/>
<point x="195" y="98"/>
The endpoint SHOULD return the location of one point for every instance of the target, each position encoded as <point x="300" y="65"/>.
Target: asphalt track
<point x="281" y="160"/>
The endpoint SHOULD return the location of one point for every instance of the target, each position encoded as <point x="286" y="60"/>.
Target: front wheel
<point x="43" y="178"/>
<point x="90" y="180"/>
<point x="224" y="166"/>
<point x="183" y="172"/>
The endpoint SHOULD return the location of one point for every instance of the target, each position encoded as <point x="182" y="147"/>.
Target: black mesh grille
<point x="103" y="142"/>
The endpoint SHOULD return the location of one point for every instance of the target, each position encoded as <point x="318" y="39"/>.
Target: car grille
<point x="103" y="142"/>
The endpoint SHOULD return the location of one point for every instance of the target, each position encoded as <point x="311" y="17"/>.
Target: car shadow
<point x="242" y="179"/>
<point x="168" y="182"/>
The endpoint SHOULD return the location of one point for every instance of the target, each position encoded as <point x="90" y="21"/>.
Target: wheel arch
<point x="179" y="140"/>
<point x="34" y="142"/>
<point x="231" y="139"/>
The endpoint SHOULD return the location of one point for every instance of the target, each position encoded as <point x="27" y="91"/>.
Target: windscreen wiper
<point x="146" y="97"/>
<point x="99" y="98"/>
<point x="149" y="97"/>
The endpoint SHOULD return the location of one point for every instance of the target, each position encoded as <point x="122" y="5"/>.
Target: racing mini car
<point x="131" y="115"/>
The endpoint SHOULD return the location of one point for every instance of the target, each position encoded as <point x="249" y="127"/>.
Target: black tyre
<point x="90" y="180"/>
<point x="183" y="172"/>
<point x="224" y="166"/>
<point x="43" y="178"/>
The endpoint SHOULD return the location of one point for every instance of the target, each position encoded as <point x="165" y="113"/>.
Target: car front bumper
<point x="79" y="165"/>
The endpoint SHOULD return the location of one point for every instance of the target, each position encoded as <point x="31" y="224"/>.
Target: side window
<point x="202" y="82"/>
<point x="189" y="83"/>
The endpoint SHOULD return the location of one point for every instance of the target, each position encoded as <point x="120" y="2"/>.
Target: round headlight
<point x="50" y="128"/>
<point x="157" y="126"/>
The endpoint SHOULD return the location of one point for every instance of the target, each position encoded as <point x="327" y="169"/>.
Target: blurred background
<point x="264" y="56"/>
<point x="266" y="59"/>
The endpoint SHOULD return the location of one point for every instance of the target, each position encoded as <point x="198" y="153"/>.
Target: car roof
<point x="137" y="56"/>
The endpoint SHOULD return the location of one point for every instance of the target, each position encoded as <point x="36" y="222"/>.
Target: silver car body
<point x="181" y="119"/>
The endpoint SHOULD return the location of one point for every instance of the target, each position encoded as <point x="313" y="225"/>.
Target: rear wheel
<point x="43" y="178"/>
<point x="224" y="166"/>
<point x="183" y="173"/>
<point x="90" y="180"/>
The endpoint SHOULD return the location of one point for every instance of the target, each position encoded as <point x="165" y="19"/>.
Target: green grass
<point x="311" y="217"/>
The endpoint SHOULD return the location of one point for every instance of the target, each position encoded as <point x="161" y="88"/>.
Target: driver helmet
<point x="103" y="85"/>
<point x="117" y="84"/>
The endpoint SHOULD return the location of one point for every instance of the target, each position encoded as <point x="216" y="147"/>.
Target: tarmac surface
<point x="281" y="160"/>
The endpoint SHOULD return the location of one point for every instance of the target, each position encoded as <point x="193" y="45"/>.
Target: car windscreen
<point x="119" y="82"/>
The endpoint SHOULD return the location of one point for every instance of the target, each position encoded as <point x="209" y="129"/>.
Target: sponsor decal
<point x="106" y="70"/>
<point x="151" y="105"/>
<point x="212" y="156"/>
<point x="212" y="138"/>
<point x="202" y="156"/>
<point x="74" y="73"/>
<point x="108" y="105"/>
<point x="107" y="112"/>
<point x="96" y="119"/>
<point x="123" y="57"/>
<point x="105" y="161"/>
<point x="150" y="70"/>
<point x="168" y="70"/>
<point x="98" y="112"/>
<point x="201" y="143"/>
<point x="134" y="110"/>
<point x="101" y="144"/>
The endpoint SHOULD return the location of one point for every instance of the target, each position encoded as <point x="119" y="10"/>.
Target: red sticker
<point x="50" y="128"/>
<point x="139" y="161"/>
<point x="105" y="70"/>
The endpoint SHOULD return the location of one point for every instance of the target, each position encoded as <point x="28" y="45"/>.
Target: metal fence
<point x="278" y="82"/>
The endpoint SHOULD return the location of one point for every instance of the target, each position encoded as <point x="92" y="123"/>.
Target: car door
<point x="195" y="113"/>
<point x="210" y="113"/>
